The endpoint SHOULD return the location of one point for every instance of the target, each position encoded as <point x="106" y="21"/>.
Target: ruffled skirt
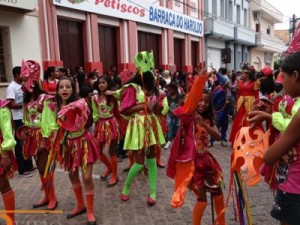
<point x="206" y="167"/>
<point x="78" y="151"/>
<point x="106" y="130"/>
<point x="142" y="132"/>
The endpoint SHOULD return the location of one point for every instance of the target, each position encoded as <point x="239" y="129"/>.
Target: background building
<point x="19" y="37"/>
<point x="263" y="17"/>
<point x="227" y="31"/>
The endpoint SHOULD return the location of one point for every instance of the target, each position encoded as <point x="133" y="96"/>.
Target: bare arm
<point x="15" y="105"/>
<point x="133" y="109"/>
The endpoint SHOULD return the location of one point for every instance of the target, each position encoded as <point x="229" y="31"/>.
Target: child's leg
<point x="131" y="161"/>
<point x="220" y="208"/>
<point x="107" y="163"/>
<point x="77" y="188"/>
<point x="8" y="196"/>
<point x="134" y="170"/>
<point x="48" y="182"/>
<point x="151" y="160"/>
<point x="198" y="212"/>
<point x="114" y="164"/>
<point x="200" y="193"/>
<point x="158" y="157"/>
<point x="89" y="190"/>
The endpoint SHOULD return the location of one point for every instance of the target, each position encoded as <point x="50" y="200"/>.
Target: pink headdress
<point x="126" y="75"/>
<point x="73" y="116"/>
<point x="31" y="70"/>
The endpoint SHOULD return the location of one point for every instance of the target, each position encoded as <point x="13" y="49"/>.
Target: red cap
<point x="267" y="71"/>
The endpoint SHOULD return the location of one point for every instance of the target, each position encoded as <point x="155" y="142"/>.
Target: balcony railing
<point x="269" y="42"/>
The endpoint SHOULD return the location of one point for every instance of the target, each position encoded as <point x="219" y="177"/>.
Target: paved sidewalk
<point x="110" y="210"/>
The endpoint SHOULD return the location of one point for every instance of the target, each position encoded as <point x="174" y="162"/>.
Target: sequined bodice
<point x="104" y="110"/>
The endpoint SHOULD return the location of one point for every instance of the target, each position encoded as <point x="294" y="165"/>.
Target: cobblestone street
<point x="110" y="210"/>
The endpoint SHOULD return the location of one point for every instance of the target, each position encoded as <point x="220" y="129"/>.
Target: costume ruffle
<point x="78" y="151"/>
<point x="105" y="131"/>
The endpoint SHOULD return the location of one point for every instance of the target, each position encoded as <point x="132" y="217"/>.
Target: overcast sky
<point x="288" y="8"/>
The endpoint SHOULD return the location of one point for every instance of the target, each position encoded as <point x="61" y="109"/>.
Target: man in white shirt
<point x="15" y="94"/>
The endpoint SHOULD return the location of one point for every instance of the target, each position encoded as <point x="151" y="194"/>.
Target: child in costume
<point x="192" y="165"/>
<point x="38" y="130"/>
<point x="286" y="203"/>
<point x="107" y="131"/>
<point x="144" y="131"/>
<point x="8" y="164"/>
<point x="78" y="149"/>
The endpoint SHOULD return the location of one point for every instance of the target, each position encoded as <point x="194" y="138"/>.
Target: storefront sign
<point x="21" y="4"/>
<point x="140" y="11"/>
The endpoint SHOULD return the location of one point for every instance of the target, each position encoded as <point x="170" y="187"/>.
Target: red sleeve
<point x="128" y="98"/>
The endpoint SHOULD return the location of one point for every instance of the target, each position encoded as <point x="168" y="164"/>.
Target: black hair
<point x="73" y="97"/>
<point x="291" y="63"/>
<point x="173" y="86"/>
<point x="37" y="91"/>
<point x="16" y="71"/>
<point x="267" y="85"/>
<point x="63" y="70"/>
<point x="47" y="73"/>
<point x="148" y="81"/>
<point x="223" y="70"/>
<point x="109" y="97"/>
<point x="84" y="91"/>
<point x="91" y="75"/>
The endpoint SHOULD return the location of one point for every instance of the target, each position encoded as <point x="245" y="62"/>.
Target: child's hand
<point x="199" y="119"/>
<point x="257" y="117"/>
<point x="263" y="105"/>
<point x="151" y="101"/>
<point x="290" y="156"/>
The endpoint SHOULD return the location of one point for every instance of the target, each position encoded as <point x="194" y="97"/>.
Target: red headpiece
<point x="267" y="71"/>
<point x="295" y="43"/>
<point x="31" y="70"/>
<point x="73" y="116"/>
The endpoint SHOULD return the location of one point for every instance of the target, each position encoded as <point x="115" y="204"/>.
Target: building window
<point x="3" y="75"/>
<point x="193" y="7"/>
<point x="245" y="18"/>
<point x="177" y="3"/>
<point x="222" y="7"/>
<point x="269" y="30"/>
<point x="214" y="8"/>
<point x="238" y="14"/>
<point x="206" y="7"/>
<point x="257" y="27"/>
<point x="228" y="10"/>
